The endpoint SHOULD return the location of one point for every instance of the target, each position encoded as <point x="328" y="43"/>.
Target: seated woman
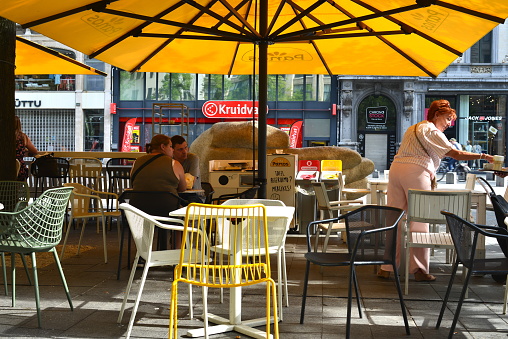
<point x="157" y="172"/>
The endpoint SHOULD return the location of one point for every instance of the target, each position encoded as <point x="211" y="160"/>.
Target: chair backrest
<point x="321" y="196"/>
<point x="464" y="235"/>
<point x="142" y="228"/>
<point x="119" y="172"/>
<point x="237" y="255"/>
<point x="14" y="195"/>
<point x="266" y="202"/>
<point x="86" y="171"/>
<point x="372" y="233"/>
<point x="249" y="193"/>
<point x="426" y="206"/>
<point x="37" y="226"/>
<point x="50" y="167"/>
<point x="80" y="199"/>
<point x="209" y="191"/>
<point x="470" y="181"/>
<point x="158" y="203"/>
<point x="277" y="227"/>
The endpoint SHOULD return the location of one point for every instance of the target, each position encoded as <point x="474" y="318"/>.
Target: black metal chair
<point x="247" y="194"/>
<point x="118" y="171"/>
<point x="465" y="238"/>
<point x="154" y="203"/>
<point x="371" y="237"/>
<point x="209" y="191"/>
<point x="49" y="172"/>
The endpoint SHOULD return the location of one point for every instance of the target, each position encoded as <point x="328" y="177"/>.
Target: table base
<point x="223" y="325"/>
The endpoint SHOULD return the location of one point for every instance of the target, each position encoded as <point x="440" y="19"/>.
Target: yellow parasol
<point x="32" y="58"/>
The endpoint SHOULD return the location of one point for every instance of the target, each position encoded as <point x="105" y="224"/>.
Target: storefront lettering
<point x="484" y="118"/>
<point x="28" y="103"/>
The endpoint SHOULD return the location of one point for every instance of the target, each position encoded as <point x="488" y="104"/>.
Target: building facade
<point x="65" y="112"/>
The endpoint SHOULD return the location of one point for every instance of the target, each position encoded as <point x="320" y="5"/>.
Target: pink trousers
<point x="402" y="178"/>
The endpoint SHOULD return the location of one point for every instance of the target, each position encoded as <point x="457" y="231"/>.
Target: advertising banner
<point x="127" y="135"/>
<point x="295" y="135"/>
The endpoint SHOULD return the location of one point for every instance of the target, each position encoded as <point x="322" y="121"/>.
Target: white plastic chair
<point x="426" y="206"/>
<point x="277" y="231"/>
<point x="142" y="227"/>
<point x="87" y="203"/>
<point x="325" y="205"/>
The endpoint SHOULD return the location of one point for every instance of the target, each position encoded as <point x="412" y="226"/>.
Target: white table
<point x="377" y="187"/>
<point x="235" y="323"/>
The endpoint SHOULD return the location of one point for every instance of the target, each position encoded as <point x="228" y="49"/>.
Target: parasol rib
<point x="135" y="29"/>
<point x="297" y="17"/>
<point x="190" y="37"/>
<point x="218" y="17"/>
<point x="416" y="31"/>
<point x="343" y="35"/>
<point x="237" y="15"/>
<point x="485" y="16"/>
<point x="275" y="16"/>
<point x="410" y="59"/>
<point x="67" y="13"/>
<point x="347" y="22"/>
<point x="194" y="28"/>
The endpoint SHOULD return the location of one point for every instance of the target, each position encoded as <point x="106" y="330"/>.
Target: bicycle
<point x="442" y="170"/>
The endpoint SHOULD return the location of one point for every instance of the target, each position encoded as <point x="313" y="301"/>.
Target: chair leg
<point x="122" y="236"/>
<point x="62" y="277"/>
<point x="285" y="277"/>
<point x="459" y="306"/>
<point x="128" y="289"/>
<point x="205" y="310"/>
<point x="173" y="321"/>
<point x="448" y="290"/>
<point x="304" y="296"/>
<point x="36" y="288"/>
<point x="357" y="293"/>
<point x="271" y="284"/>
<point x="104" y="239"/>
<point x="13" y="277"/>
<point x="505" y="297"/>
<point x="25" y="265"/>
<point x="406" y="273"/>
<point x="138" y="298"/>
<point x="349" y="300"/>
<point x="280" y="282"/>
<point x="66" y="236"/>
<point x="4" y="272"/>
<point x="401" y="299"/>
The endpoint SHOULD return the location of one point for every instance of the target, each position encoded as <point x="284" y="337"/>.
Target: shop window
<point x="151" y="86"/>
<point x="162" y="87"/>
<point x="481" y="123"/>
<point x="94" y="130"/>
<point x="481" y="52"/>
<point x="95" y="82"/>
<point x="238" y="87"/>
<point x="131" y="86"/>
<point x="182" y="87"/>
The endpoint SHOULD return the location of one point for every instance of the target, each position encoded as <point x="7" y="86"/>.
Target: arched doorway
<point x="377" y="123"/>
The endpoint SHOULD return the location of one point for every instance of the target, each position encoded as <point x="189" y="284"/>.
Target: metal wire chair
<point x="36" y="228"/>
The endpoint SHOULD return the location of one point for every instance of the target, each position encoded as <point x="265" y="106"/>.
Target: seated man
<point x="190" y="163"/>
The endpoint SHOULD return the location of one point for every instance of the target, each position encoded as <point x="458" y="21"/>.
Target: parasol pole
<point x="263" y="98"/>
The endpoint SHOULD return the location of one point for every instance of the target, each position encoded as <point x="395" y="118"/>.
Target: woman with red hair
<point x="414" y="167"/>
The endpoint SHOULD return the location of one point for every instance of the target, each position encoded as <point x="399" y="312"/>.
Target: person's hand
<point x="488" y="157"/>
<point x="501" y="174"/>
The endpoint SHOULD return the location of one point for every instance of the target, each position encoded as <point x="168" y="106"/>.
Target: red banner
<point x="127" y="135"/>
<point x="295" y="135"/>
<point x="231" y="109"/>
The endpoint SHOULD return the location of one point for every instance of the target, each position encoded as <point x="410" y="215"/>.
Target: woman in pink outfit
<point x="414" y="167"/>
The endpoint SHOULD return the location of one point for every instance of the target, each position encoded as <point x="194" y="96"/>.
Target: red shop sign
<point x="231" y="109"/>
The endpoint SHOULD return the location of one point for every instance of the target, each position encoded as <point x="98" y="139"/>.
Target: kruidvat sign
<point x="231" y="109"/>
<point x="377" y="115"/>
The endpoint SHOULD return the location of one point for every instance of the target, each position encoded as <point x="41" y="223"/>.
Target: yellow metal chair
<point x="88" y="203"/>
<point x="236" y="258"/>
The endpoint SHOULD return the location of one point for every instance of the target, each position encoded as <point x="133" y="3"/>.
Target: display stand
<point x="170" y="119"/>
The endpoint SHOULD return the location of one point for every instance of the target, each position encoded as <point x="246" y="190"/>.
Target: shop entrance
<point x="377" y="121"/>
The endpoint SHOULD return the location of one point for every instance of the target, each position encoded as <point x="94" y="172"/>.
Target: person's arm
<point x="178" y="169"/>
<point x="463" y="155"/>
<point x="30" y="146"/>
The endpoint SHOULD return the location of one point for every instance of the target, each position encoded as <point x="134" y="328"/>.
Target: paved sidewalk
<point x="97" y="296"/>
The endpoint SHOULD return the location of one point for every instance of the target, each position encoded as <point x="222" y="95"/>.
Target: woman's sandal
<point x="420" y="276"/>
<point x="383" y="274"/>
